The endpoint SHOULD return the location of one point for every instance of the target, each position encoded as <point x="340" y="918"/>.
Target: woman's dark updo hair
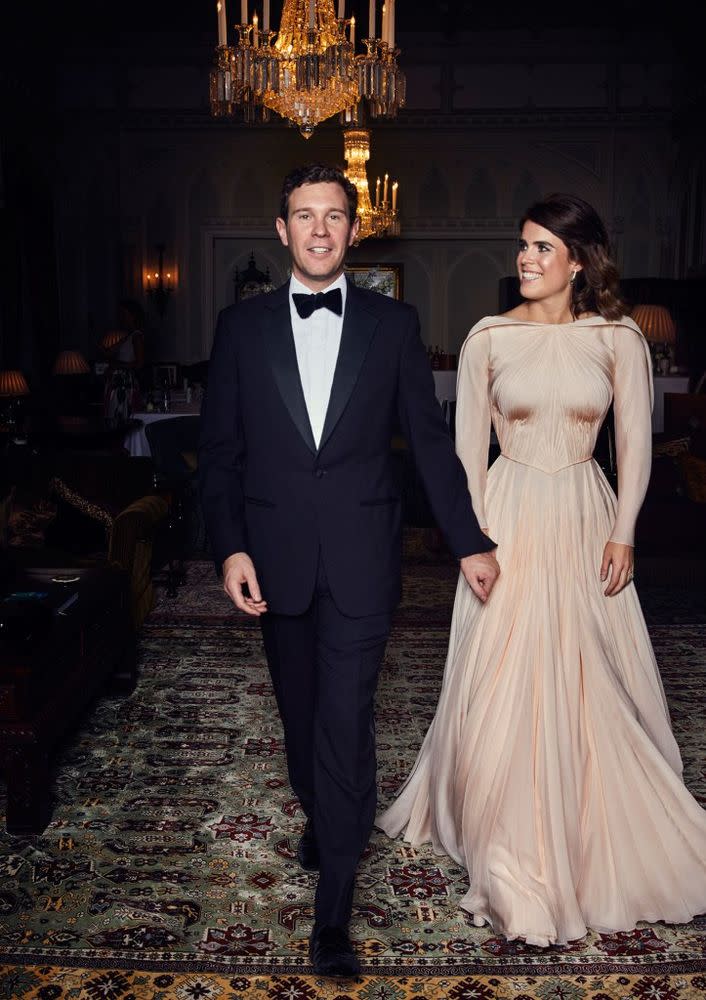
<point x="578" y="225"/>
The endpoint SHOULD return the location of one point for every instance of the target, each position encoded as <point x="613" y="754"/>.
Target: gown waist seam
<point x="548" y="472"/>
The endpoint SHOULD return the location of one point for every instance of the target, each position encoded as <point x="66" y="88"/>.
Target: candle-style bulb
<point x="222" y="30"/>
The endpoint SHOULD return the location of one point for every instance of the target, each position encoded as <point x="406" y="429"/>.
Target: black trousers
<point x="324" y="668"/>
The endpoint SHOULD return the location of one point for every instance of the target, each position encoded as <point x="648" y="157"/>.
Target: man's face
<point x="317" y="233"/>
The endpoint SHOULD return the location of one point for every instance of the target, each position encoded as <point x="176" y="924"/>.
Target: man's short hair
<point x="318" y="173"/>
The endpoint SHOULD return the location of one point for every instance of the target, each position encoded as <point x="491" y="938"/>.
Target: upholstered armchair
<point x="103" y="509"/>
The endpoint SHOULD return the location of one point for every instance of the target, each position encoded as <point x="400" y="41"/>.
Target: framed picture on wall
<point x="384" y="278"/>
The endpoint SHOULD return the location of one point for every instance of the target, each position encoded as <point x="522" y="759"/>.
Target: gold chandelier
<point x="308" y="71"/>
<point x="379" y="218"/>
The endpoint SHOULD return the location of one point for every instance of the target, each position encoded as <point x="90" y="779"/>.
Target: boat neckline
<point x="539" y="322"/>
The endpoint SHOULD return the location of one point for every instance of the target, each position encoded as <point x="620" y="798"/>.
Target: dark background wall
<point x="108" y="149"/>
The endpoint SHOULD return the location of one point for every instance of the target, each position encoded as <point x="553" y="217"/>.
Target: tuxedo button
<point x="320" y="473"/>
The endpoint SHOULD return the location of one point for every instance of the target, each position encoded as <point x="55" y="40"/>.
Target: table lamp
<point x="13" y="385"/>
<point x="71" y="363"/>
<point x="660" y="331"/>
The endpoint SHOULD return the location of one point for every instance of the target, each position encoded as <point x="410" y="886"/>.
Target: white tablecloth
<point x="445" y="386"/>
<point x="136" y="440"/>
<point x="445" y="389"/>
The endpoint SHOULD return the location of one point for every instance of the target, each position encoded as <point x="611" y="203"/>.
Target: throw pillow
<point x="80" y="526"/>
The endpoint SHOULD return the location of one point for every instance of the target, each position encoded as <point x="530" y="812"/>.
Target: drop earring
<point x="572" y="277"/>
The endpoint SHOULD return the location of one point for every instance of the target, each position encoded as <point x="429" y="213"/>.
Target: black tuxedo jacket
<point x="267" y="490"/>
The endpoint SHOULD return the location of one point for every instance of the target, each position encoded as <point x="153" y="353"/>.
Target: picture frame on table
<point x="164" y="374"/>
<point x="384" y="278"/>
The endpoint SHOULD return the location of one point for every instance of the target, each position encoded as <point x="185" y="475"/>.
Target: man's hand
<point x="238" y="569"/>
<point x="619" y="560"/>
<point x="481" y="571"/>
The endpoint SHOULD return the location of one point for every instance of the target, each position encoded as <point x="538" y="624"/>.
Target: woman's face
<point x="544" y="266"/>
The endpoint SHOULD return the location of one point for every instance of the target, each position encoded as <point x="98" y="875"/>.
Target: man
<point x="306" y="386"/>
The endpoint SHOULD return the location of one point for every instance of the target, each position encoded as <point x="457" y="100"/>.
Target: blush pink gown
<point x="550" y="770"/>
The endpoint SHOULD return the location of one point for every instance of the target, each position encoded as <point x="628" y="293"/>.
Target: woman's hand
<point x="618" y="562"/>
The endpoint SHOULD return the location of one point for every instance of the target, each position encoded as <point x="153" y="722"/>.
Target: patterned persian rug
<point x="169" y="868"/>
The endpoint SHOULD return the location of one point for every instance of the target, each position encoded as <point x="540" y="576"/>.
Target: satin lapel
<point x="358" y="329"/>
<point x="277" y="325"/>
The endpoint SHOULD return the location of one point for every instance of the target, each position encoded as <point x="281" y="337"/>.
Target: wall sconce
<point x="160" y="283"/>
<point x="660" y="332"/>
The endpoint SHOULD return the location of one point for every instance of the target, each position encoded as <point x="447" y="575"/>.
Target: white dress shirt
<point x="317" y="340"/>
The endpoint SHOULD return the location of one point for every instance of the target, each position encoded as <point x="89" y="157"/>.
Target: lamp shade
<point x="71" y="363"/>
<point x="656" y="324"/>
<point x="13" y="383"/>
<point x="112" y="338"/>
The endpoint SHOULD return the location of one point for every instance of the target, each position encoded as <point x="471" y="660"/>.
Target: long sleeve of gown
<point x="473" y="416"/>
<point x="632" y="404"/>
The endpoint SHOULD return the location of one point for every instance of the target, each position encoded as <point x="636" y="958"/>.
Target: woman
<point x="550" y="770"/>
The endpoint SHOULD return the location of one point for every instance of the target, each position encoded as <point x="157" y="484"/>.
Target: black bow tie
<point x="306" y="304"/>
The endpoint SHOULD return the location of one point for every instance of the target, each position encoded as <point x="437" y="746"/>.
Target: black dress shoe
<point x="331" y="952"/>
<point x="308" y="849"/>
